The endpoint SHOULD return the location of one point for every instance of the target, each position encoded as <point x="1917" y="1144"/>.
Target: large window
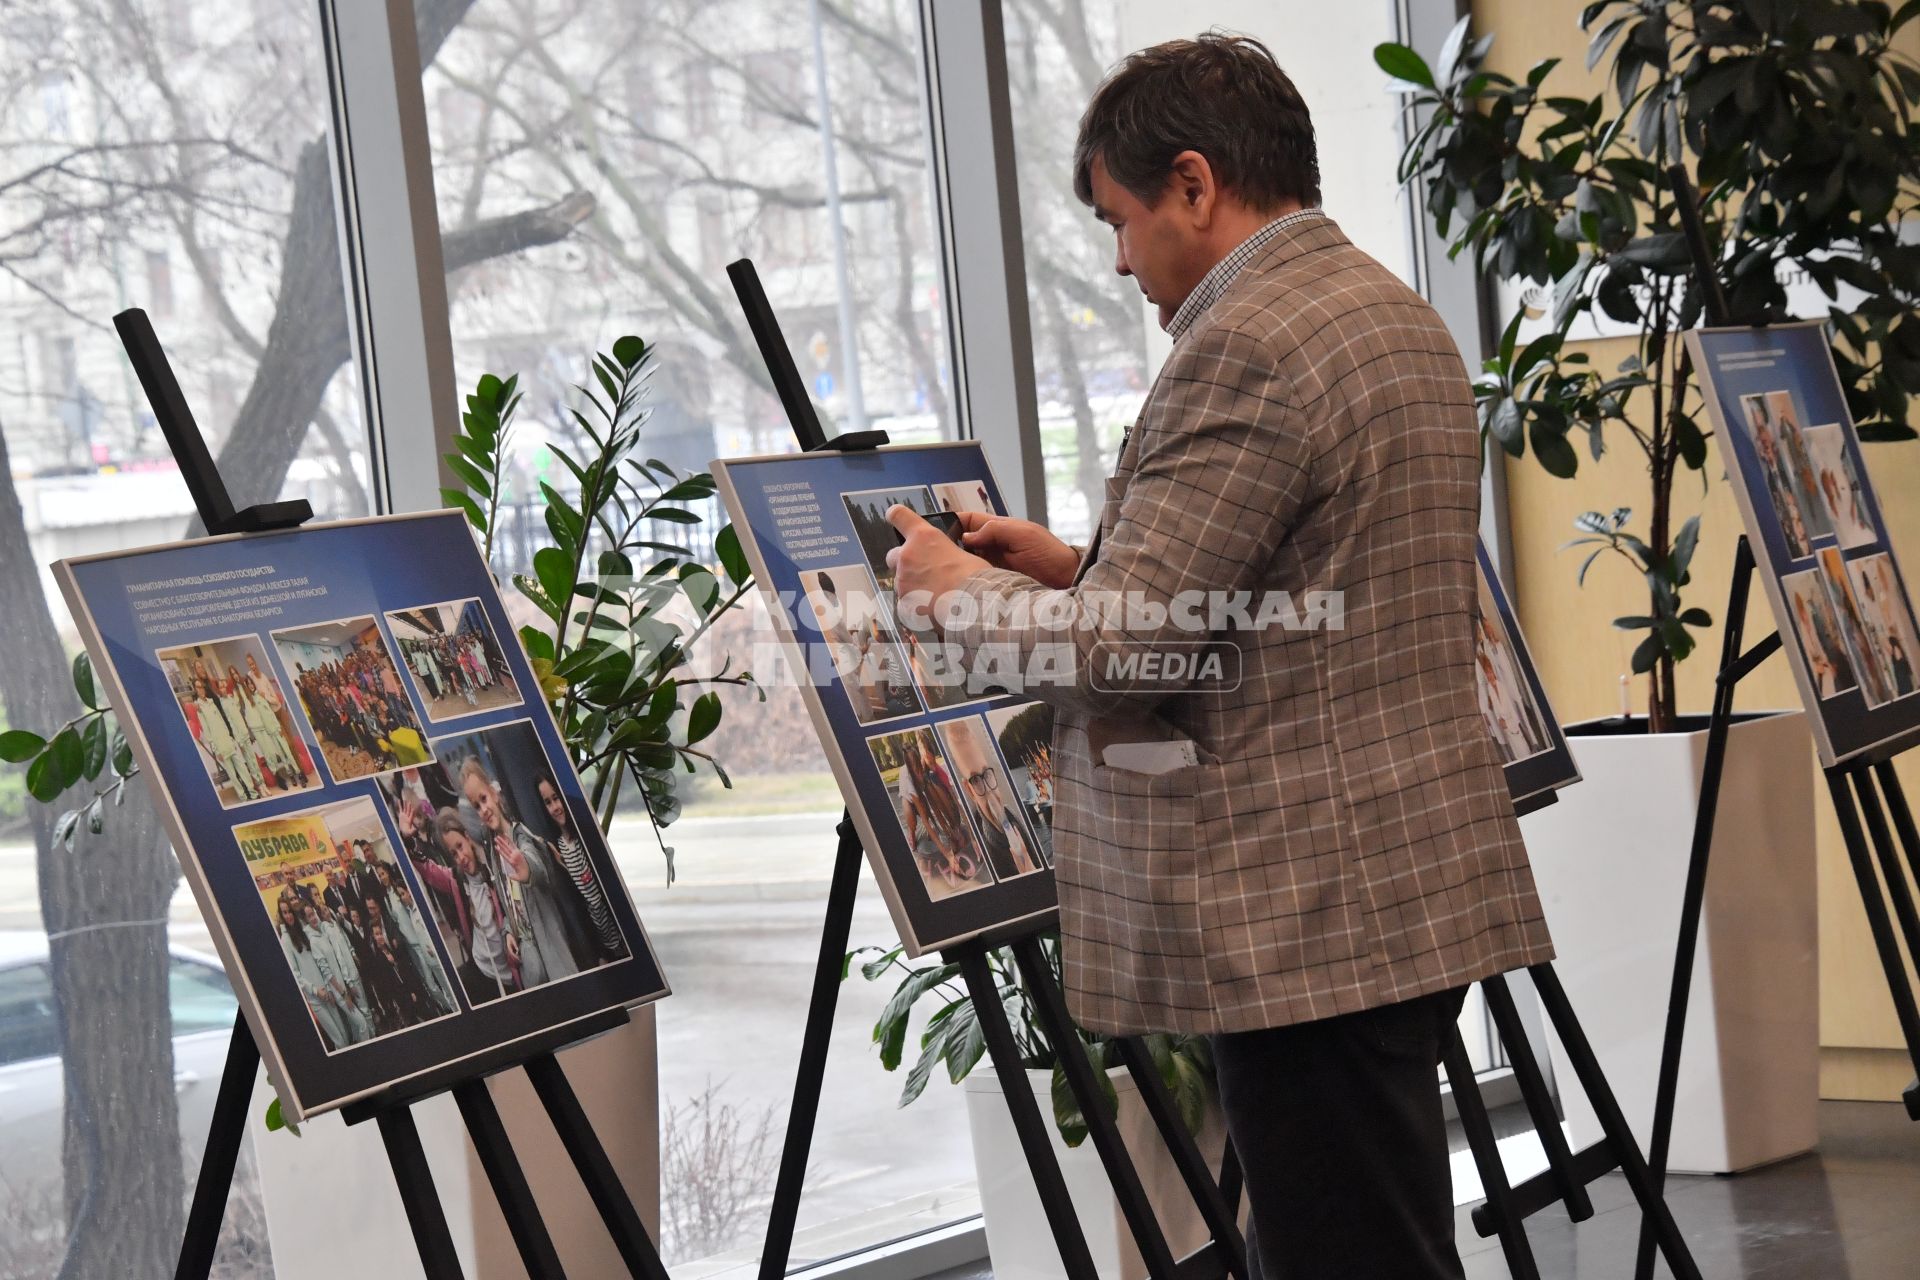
<point x="170" y="155"/>
<point x="1096" y="344"/>
<point x="651" y="145"/>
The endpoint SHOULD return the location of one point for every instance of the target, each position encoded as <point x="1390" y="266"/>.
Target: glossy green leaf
<point x="18" y="746"/>
<point x="1402" y="63"/>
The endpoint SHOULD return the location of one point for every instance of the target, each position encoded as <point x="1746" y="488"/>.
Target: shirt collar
<point x="1225" y="271"/>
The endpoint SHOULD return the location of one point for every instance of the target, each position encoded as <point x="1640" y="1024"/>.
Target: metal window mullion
<point x="390" y="247"/>
<point x="977" y="202"/>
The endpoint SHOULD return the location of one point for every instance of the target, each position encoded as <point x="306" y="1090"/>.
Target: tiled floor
<point x="1850" y="1211"/>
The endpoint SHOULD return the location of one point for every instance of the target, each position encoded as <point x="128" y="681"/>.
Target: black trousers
<point x="1339" y="1129"/>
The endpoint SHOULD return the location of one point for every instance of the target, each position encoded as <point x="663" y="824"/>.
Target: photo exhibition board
<point x="367" y="794"/>
<point x="1818" y="536"/>
<point x="1532" y="747"/>
<point x="951" y="791"/>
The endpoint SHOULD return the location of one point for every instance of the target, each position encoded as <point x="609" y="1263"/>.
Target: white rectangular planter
<point x="1611" y="862"/>
<point x="1018" y="1239"/>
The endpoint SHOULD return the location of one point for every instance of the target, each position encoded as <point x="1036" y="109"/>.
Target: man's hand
<point x="1019" y="545"/>
<point x="928" y="561"/>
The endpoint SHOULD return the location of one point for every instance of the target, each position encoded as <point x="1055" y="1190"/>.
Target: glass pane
<point x="201" y="998"/>
<point x="27" y="1026"/>
<point x="1096" y="343"/>
<point x="639" y="150"/>
<point x="170" y="155"/>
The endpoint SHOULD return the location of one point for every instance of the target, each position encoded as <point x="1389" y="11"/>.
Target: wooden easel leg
<point x="508" y="1180"/>
<point x="1027" y="1121"/>
<point x="1633" y="1165"/>
<point x="1472" y="1107"/>
<point x="1065" y="1037"/>
<point x="224" y="1132"/>
<point x="1187" y="1156"/>
<point x="1533" y="1091"/>
<point x="422" y="1203"/>
<point x="596" y="1170"/>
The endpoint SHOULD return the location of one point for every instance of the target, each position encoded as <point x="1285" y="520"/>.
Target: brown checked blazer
<point x="1346" y="839"/>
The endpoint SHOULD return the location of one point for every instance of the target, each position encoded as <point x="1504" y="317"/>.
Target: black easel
<point x="1871" y="780"/>
<point x="1225" y="1252"/>
<point x="467" y="1081"/>
<point x="1564" y="1181"/>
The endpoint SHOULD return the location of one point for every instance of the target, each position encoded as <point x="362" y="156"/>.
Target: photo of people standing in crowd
<point x="351" y="694"/>
<point x="1887" y="618"/>
<point x="454" y="658"/>
<point x="518" y="887"/>
<point x="1024" y="734"/>
<point x="860" y="642"/>
<point x="1793" y="485"/>
<point x="1818" y="628"/>
<point x="927" y="802"/>
<point x="353" y="936"/>
<point x="237" y="714"/>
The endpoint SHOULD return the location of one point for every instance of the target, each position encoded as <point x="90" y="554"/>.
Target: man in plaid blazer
<point x="1325" y="856"/>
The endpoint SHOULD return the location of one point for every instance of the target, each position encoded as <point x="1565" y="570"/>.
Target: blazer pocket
<point x="1142" y="826"/>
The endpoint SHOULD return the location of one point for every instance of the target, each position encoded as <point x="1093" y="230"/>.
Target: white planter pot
<point x="1018" y="1239"/>
<point x="1611" y="862"/>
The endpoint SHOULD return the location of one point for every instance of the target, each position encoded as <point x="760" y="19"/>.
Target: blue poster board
<point x="1818" y="535"/>
<point x="1533" y="749"/>
<point x="367" y="794"/>
<point x="949" y="785"/>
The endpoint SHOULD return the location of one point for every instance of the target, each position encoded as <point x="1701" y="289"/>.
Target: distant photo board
<point x="1532" y="748"/>
<point x="951" y="789"/>
<point x="1818" y="536"/>
<point x="373" y="807"/>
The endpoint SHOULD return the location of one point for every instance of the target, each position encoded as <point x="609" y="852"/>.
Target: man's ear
<point x="1192" y="184"/>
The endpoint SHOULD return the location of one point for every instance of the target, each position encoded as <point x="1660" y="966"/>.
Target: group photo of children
<point x="351" y="693"/>
<point x="455" y="659"/>
<point x="243" y="731"/>
<point x="520" y="889"/>
<point x="352" y="933"/>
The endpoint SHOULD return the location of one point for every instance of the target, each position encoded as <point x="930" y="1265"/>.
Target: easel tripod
<point x="1863" y="787"/>
<point x="391" y="1111"/>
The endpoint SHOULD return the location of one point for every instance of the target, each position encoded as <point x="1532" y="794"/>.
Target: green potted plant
<point x="1796" y="121"/>
<point x="623" y="611"/>
<point x="950" y="1040"/>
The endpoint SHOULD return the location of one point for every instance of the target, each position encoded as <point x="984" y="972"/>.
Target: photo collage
<point x="492" y="889"/>
<point x="1519" y="727"/>
<point x="972" y="794"/>
<point x="1850" y="614"/>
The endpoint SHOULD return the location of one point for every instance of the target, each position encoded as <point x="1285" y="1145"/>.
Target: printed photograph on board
<point x="454" y="659"/>
<point x="867" y="509"/>
<point x="992" y="800"/>
<point x="930" y="810"/>
<point x="350" y="692"/>
<point x="1792" y="486"/>
<point x="967" y="495"/>
<point x="847" y="610"/>
<point x="1887" y="616"/>
<point x="352" y="933"/>
<point x="1874" y="684"/>
<point x="1518" y="727"/>
<point x="243" y="729"/>
<point x="514" y="882"/>
<point x="1024" y="734"/>
<point x="1818" y="628"/>
<point x="1839" y="484"/>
